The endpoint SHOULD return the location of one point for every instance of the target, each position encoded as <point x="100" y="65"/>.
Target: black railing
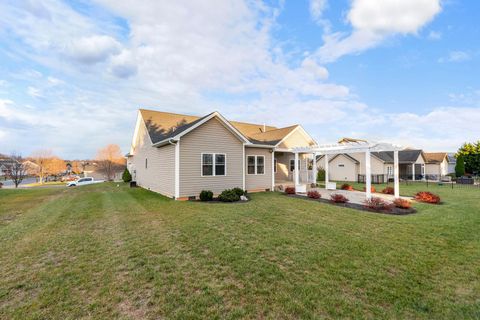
<point x="376" y="178"/>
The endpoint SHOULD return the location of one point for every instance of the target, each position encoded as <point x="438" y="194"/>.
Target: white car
<point x="82" y="182"/>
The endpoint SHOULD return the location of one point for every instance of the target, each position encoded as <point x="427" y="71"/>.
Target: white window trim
<point x="290" y="165"/>
<point x="256" y="164"/>
<point x="213" y="164"/>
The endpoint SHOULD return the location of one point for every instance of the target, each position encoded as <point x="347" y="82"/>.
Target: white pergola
<point x="350" y="147"/>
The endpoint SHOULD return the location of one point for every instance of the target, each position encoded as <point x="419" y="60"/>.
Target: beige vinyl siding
<point x="159" y="176"/>
<point x="283" y="164"/>
<point x="296" y="139"/>
<point x="346" y="173"/>
<point x="259" y="181"/>
<point x="211" y="137"/>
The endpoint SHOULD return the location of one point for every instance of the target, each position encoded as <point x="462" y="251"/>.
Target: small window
<point x="292" y="164"/>
<point x="260" y="165"/>
<point x="219" y="164"/>
<point x="146" y="163"/>
<point x="275" y="166"/>
<point x="255" y="164"/>
<point x="251" y="164"/>
<point x="207" y="164"/>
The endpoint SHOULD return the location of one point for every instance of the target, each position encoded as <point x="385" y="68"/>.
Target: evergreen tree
<point x="460" y="166"/>
<point x="126" y="176"/>
<point x="471" y="156"/>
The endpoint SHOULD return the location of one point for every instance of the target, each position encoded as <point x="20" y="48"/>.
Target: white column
<point x="396" y="184"/>
<point x="326" y="170"/>
<point x="314" y="168"/>
<point x="413" y="171"/>
<point x="273" y="170"/>
<point x="177" y="169"/>
<point x="368" y="175"/>
<point x="296" y="169"/>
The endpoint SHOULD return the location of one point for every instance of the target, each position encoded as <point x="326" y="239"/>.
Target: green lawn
<point x="103" y="251"/>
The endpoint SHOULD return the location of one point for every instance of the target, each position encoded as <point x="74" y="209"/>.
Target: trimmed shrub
<point x="314" y="194"/>
<point x="338" y="198"/>
<point x="347" y="187"/>
<point x="228" y="195"/>
<point x="388" y="190"/>
<point x="427" y="197"/>
<point x="460" y="166"/>
<point x="290" y="190"/>
<point x="321" y="174"/>
<point x="206" y="195"/>
<point x="372" y="189"/>
<point x="402" y="203"/>
<point x="126" y="176"/>
<point x="239" y="191"/>
<point x="377" y="204"/>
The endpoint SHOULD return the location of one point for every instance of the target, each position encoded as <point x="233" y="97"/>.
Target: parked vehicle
<point x="70" y="178"/>
<point x="83" y="181"/>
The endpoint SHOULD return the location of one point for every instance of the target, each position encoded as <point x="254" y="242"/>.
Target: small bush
<point x="338" y="198"/>
<point x="206" y="195"/>
<point x="239" y="191"/>
<point x="402" y="203"/>
<point x="388" y="190"/>
<point x="427" y="197"/>
<point x="321" y="174"/>
<point x="347" y="187"/>
<point x="228" y="195"/>
<point x="290" y="190"/>
<point x="372" y="189"/>
<point x="377" y="204"/>
<point x="126" y="176"/>
<point x="314" y="194"/>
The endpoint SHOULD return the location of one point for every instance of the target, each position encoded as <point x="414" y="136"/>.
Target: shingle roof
<point x="404" y="156"/>
<point x="435" y="157"/>
<point x="340" y="154"/>
<point x="164" y="125"/>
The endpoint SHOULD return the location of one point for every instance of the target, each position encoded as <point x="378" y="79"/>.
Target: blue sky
<point x="73" y="73"/>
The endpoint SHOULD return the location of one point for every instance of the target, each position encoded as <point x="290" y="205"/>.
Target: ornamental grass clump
<point x="402" y="203"/>
<point x="338" y="198"/>
<point x="314" y="194"/>
<point x="290" y="190"/>
<point x="377" y="204"/>
<point x="388" y="190"/>
<point x="346" y="187"/>
<point x="427" y="197"/>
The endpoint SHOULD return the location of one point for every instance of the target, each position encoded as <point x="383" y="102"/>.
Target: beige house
<point x="437" y="165"/>
<point x="181" y="155"/>
<point x="351" y="167"/>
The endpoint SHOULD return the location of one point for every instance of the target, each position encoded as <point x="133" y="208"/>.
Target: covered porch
<point x="302" y="178"/>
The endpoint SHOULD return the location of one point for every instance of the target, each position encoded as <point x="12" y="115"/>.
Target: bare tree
<point x="110" y="160"/>
<point x="47" y="164"/>
<point x="17" y="170"/>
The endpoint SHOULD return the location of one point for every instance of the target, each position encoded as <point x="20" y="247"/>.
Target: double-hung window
<point x="214" y="164"/>
<point x="255" y="164"/>
<point x="292" y="164"/>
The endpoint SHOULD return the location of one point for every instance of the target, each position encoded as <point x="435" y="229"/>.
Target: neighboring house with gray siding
<point x="181" y="155"/>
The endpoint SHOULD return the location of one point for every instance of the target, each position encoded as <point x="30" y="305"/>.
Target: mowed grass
<point x="103" y="251"/>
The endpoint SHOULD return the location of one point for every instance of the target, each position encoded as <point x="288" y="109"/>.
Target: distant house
<point x="31" y="167"/>
<point x="437" y="165"/>
<point x="5" y="166"/>
<point x="351" y="167"/>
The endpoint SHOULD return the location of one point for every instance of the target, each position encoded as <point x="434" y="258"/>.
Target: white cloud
<point x="93" y="49"/>
<point x="316" y="8"/>
<point x="373" y="21"/>
<point x="455" y="56"/>
<point x="34" y="92"/>
<point x="434" y="35"/>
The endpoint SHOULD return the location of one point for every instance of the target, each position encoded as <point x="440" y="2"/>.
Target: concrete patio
<point x="357" y="197"/>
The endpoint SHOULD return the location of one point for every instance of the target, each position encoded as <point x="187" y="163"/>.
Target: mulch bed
<point x="394" y="211"/>
<point x="216" y="201"/>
